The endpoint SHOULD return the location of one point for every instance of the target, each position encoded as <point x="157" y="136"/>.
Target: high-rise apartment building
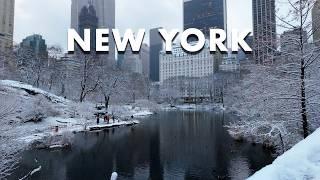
<point x="145" y="59"/>
<point x="156" y="44"/>
<point x="182" y="64"/>
<point x="264" y="30"/>
<point x="188" y="76"/>
<point x="316" y="22"/>
<point x="35" y="45"/>
<point x="105" y="12"/>
<point x="288" y="40"/>
<point x="88" y="20"/>
<point x="6" y="24"/>
<point x="205" y="14"/>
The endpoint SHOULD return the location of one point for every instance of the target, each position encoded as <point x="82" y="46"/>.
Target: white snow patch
<point x="195" y="107"/>
<point x="143" y="113"/>
<point x="110" y="125"/>
<point x="114" y="176"/>
<point x="301" y="162"/>
<point x="20" y="85"/>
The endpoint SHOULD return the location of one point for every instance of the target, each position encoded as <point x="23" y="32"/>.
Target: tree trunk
<point x="62" y="89"/>
<point x="303" y="103"/>
<point x="106" y="102"/>
<point x="82" y="94"/>
<point x="81" y="97"/>
<point x="302" y="78"/>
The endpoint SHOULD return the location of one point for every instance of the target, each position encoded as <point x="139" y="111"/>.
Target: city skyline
<point x="54" y="30"/>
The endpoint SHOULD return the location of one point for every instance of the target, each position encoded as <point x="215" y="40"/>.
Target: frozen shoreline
<point x="31" y="115"/>
<point x="269" y="134"/>
<point x="194" y="107"/>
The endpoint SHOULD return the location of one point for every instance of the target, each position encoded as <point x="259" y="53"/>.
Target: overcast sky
<point x="51" y="18"/>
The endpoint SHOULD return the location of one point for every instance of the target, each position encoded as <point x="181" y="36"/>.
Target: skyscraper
<point x="288" y="40"/>
<point x="145" y="59"/>
<point x="205" y="14"/>
<point x="316" y="22"/>
<point x="6" y="24"/>
<point x="155" y="48"/>
<point x="105" y="12"/>
<point x="36" y="45"/>
<point x="264" y="30"/>
<point x="88" y="20"/>
<point x="132" y="62"/>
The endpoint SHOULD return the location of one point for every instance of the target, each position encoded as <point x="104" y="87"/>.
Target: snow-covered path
<point x="301" y="162"/>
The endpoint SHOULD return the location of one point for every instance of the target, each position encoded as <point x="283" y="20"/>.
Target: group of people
<point x="106" y="118"/>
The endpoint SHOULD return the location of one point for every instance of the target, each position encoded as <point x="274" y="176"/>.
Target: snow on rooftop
<point x="301" y="162"/>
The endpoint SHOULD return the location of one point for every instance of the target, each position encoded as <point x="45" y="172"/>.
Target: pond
<point x="167" y="145"/>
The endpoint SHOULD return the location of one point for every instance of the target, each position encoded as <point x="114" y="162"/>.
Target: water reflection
<point x="169" y="145"/>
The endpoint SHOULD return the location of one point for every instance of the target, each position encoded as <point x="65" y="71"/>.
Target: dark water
<point x="169" y="145"/>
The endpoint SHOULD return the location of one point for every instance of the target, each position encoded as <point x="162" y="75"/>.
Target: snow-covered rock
<point x="299" y="163"/>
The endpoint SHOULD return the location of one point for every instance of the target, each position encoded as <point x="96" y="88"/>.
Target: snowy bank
<point x="194" y="107"/>
<point x="33" y="118"/>
<point x="112" y="125"/>
<point x="301" y="162"/>
<point x="32" y="90"/>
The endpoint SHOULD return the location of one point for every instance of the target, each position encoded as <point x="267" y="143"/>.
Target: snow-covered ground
<point x="30" y="115"/>
<point x="301" y="162"/>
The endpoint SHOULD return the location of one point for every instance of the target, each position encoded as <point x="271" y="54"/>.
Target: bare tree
<point x="302" y="54"/>
<point x="32" y="67"/>
<point x="90" y="76"/>
<point x="293" y="71"/>
<point x="107" y="89"/>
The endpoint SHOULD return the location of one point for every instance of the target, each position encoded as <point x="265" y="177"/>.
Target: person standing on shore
<point x="98" y="119"/>
<point x="113" y="118"/>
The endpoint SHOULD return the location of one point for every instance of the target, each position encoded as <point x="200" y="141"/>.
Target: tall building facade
<point x="131" y="61"/>
<point x="145" y="59"/>
<point x="105" y="12"/>
<point x="88" y="20"/>
<point x="264" y="30"/>
<point x="36" y="44"/>
<point x="182" y="64"/>
<point x="230" y="64"/>
<point x="288" y="41"/>
<point x="156" y="45"/>
<point x="205" y="15"/>
<point x="187" y="76"/>
<point x="6" y="24"/>
<point x="316" y="22"/>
